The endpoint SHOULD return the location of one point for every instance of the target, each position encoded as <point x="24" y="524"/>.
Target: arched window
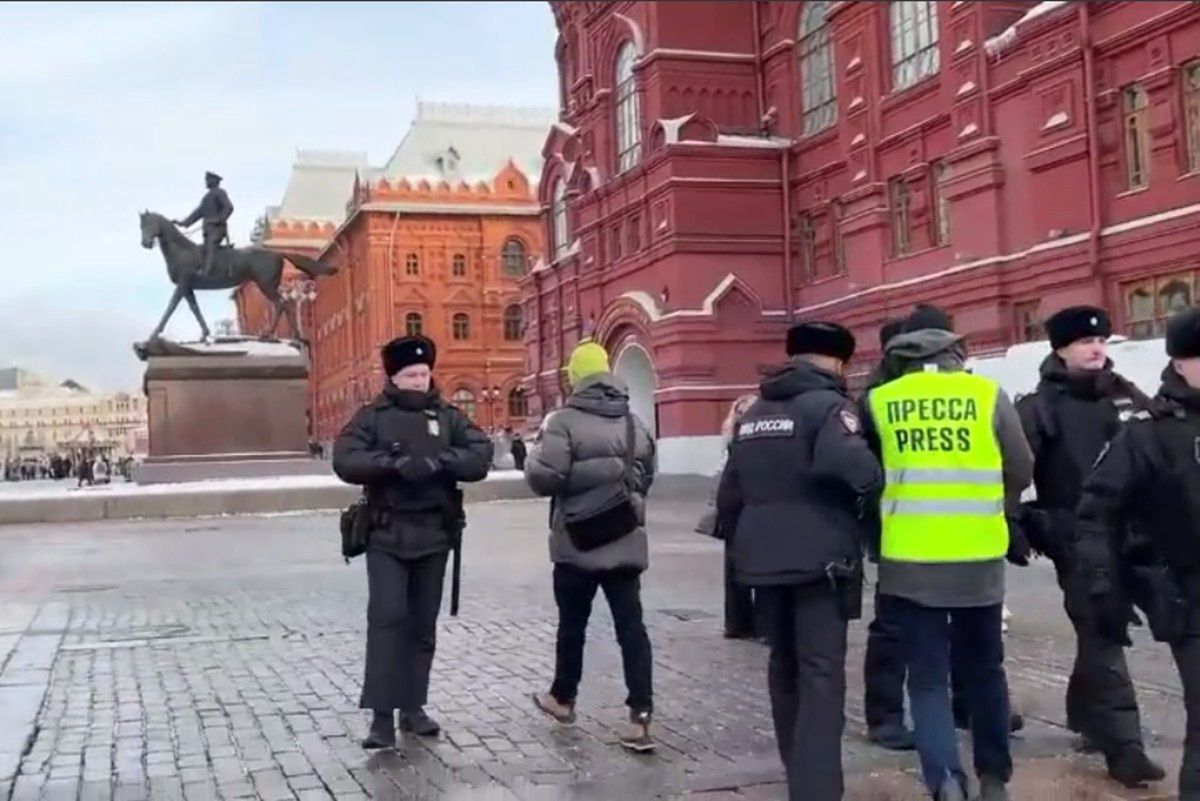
<point x="629" y="126"/>
<point x="558" y="216"/>
<point x="461" y="326"/>
<point x="514" y="323"/>
<point x="914" y="41"/>
<point x="459" y="265"/>
<point x="817" y="78"/>
<point x="413" y="325"/>
<point x="518" y="403"/>
<point x="513" y="258"/>
<point x="412" y="264"/>
<point x="464" y="399"/>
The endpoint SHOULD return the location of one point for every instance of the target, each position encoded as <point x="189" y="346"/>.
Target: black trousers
<point x="806" y="676"/>
<point x="404" y="598"/>
<point x="574" y="590"/>
<point x="1187" y="658"/>
<point x="883" y="666"/>
<point x="1101" y="702"/>
<point x="739" y="603"/>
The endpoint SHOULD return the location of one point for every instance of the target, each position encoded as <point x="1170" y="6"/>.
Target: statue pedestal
<point x="226" y="410"/>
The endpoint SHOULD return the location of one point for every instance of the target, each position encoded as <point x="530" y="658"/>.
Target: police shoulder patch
<point x="775" y="426"/>
<point x="850" y="422"/>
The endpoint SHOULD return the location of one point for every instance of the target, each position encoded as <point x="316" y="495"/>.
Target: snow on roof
<point x="997" y="44"/>
<point x="319" y="186"/>
<point x="470" y="143"/>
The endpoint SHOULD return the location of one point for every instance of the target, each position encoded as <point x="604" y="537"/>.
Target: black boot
<point x="382" y="733"/>
<point x="418" y="722"/>
<point x="1132" y="768"/>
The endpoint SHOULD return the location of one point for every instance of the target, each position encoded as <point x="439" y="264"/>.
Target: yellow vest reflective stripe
<point x="944" y="497"/>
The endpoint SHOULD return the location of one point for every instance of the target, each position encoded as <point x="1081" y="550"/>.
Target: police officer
<point x="1138" y="524"/>
<point x="883" y="665"/>
<point x="408" y="448"/>
<point x="791" y="494"/>
<point x="1078" y="407"/>
<point x="953" y="454"/>
<point x="215" y="209"/>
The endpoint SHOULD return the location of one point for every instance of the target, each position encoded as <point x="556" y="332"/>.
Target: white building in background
<point x="39" y="418"/>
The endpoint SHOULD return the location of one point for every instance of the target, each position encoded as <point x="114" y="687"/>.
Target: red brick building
<point x="433" y="242"/>
<point x="720" y="169"/>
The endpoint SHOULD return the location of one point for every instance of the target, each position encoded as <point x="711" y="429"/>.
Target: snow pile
<point x="1003" y="40"/>
<point x="1140" y="361"/>
<point x="248" y="345"/>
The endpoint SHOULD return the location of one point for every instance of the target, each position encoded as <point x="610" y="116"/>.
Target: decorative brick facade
<point x="1000" y="158"/>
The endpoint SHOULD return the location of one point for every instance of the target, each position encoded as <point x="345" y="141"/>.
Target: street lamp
<point x="299" y="293"/>
<point x="491" y="396"/>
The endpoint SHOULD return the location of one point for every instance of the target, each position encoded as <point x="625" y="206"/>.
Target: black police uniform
<point x="1067" y="422"/>
<point x="798" y="474"/>
<point x="408" y="450"/>
<point x="1150" y="476"/>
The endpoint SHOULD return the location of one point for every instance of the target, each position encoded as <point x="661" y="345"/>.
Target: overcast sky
<point x="106" y="109"/>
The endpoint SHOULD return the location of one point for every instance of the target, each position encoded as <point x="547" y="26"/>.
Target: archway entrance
<point x="633" y="366"/>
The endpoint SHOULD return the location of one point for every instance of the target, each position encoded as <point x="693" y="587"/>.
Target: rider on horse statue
<point x="214" y="209"/>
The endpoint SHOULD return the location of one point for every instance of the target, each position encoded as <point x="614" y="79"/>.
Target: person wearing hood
<point x="1079" y="406"/>
<point x="798" y="476"/>
<point x="595" y="460"/>
<point x="408" y="449"/>
<point x="955" y="459"/>
<point x="1138" y="528"/>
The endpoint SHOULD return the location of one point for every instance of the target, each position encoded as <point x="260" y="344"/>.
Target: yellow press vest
<point x="944" y="497"/>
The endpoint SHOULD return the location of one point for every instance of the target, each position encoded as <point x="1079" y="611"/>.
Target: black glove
<point x="417" y="468"/>
<point x="1019" y="550"/>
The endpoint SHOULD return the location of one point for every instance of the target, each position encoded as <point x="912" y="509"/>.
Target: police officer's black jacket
<point x="410" y="517"/>
<point x="798" y="473"/>
<point x="1068" y="421"/>
<point x="1139" y="517"/>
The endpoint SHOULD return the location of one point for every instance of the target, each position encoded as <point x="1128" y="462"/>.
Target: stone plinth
<point x="234" y="408"/>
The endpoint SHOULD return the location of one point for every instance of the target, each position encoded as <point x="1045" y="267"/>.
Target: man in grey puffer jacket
<point x="579" y="460"/>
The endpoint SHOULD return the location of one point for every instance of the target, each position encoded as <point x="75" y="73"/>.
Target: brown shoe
<point x="636" y="736"/>
<point x="563" y="713"/>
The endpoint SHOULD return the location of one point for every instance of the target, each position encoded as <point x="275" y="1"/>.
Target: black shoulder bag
<point x="615" y="519"/>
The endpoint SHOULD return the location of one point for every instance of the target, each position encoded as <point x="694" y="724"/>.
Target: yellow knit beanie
<point x="588" y="359"/>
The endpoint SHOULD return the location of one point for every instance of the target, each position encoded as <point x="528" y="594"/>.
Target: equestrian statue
<point x="211" y="266"/>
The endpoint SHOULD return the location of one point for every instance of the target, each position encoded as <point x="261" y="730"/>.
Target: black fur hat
<point x="406" y="351"/>
<point x="1075" y="323"/>
<point x="1183" y="335"/>
<point x="823" y="339"/>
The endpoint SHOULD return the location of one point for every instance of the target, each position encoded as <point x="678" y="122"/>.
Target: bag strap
<point x="630" y="446"/>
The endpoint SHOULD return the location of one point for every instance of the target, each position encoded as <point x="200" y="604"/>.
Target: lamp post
<point x="491" y="396"/>
<point x="299" y="293"/>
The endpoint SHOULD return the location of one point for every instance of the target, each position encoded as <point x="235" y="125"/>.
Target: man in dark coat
<point x="408" y="449"/>
<point x="798" y="474"/>
<point x="883" y="665"/>
<point x="215" y="209"/>
<point x="1138" y="524"/>
<point x="519" y="451"/>
<point x="1079" y="406"/>
<point x="589" y="454"/>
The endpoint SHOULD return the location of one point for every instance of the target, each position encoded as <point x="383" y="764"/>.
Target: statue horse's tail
<point x="311" y="267"/>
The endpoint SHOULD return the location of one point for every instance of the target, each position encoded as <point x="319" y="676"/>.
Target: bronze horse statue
<point x="231" y="268"/>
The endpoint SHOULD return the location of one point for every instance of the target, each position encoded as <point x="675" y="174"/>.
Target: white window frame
<point x="915" y="51"/>
<point x="626" y="106"/>
<point x="818" y="79"/>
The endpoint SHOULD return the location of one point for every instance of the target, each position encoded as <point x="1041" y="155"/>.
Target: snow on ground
<point x="30" y="490"/>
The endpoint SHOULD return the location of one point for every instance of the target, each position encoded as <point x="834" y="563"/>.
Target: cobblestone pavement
<point x="221" y="659"/>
